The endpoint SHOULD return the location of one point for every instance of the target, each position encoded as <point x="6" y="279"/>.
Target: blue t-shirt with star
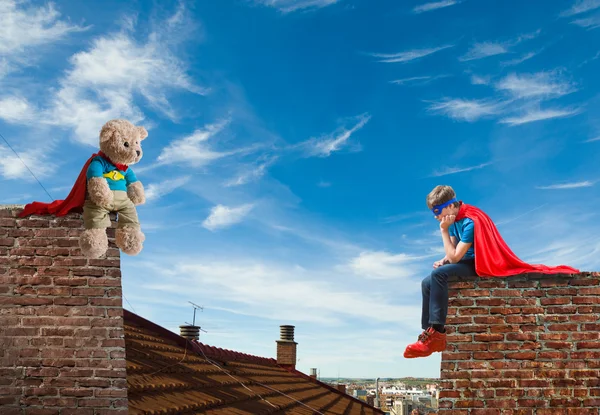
<point x="118" y="180"/>
<point x="464" y="230"/>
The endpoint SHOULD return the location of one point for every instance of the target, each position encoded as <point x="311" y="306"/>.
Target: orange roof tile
<point x="167" y="374"/>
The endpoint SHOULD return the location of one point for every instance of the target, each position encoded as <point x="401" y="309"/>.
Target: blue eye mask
<point x="437" y="209"/>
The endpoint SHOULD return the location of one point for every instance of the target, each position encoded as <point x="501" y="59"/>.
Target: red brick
<point x="521" y="355"/>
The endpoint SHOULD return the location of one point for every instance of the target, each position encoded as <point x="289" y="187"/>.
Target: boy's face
<point x="448" y="210"/>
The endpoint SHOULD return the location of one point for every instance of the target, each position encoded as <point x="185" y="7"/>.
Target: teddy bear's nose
<point x="138" y="152"/>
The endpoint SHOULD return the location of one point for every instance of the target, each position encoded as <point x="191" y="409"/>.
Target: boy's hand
<point x="447" y="221"/>
<point x="441" y="262"/>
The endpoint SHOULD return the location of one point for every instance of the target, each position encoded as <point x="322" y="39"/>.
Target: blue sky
<point x="292" y="143"/>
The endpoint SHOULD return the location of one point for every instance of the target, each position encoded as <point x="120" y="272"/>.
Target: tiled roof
<point x="167" y="374"/>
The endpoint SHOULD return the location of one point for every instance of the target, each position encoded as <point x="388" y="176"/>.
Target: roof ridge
<point x="213" y="352"/>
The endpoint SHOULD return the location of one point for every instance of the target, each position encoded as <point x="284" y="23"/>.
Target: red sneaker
<point x="429" y="341"/>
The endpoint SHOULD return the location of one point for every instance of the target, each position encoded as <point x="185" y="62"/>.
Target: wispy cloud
<point x="581" y="6"/>
<point x="539" y="115"/>
<point x="517" y="61"/>
<point x="454" y="170"/>
<point x="155" y="191"/>
<point x="383" y="265"/>
<point x="484" y="50"/>
<point x="318" y="296"/>
<point x="104" y="79"/>
<point x="224" y="216"/>
<point x="561" y="186"/>
<point x="13" y="167"/>
<point x="487" y="49"/>
<point x="538" y="85"/>
<point x="251" y="174"/>
<point x="25" y="29"/>
<point x="434" y="6"/>
<point x="287" y="6"/>
<point x="466" y="110"/>
<point x="335" y="141"/>
<point x="409" y="55"/>
<point x="480" y="80"/>
<point x="592" y="139"/>
<point x="592" y="22"/>
<point x="16" y="110"/>
<point x="417" y="80"/>
<point x="194" y="149"/>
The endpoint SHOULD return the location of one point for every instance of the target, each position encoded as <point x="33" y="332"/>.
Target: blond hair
<point x="440" y="194"/>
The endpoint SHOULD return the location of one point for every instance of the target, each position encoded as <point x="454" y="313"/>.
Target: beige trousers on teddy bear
<point x="95" y="216"/>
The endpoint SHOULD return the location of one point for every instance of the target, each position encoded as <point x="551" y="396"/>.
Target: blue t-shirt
<point x="464" y="230"/>
<point x="117" y="180"/>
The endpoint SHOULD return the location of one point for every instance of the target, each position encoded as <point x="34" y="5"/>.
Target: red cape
<point x="73" y="202"/>
<point x="493" y="257"/>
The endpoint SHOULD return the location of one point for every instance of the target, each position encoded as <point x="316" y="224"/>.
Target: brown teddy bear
<point x="113" y="187"/>
<point x="106" y="184"/>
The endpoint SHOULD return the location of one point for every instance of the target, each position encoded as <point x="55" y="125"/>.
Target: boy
<point x="473" y="246"/>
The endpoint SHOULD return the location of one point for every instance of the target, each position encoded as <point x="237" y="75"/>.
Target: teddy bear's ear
<point x="142" y="132"/>
<point x="107" y="131"/>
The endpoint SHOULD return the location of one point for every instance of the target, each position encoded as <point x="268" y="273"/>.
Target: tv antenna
<point x="196" y="307"/>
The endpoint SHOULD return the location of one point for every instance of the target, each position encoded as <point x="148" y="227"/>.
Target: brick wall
<point x="286" y="353"/>
<point x="526" y="345"/>
<point x="62" y="347"/>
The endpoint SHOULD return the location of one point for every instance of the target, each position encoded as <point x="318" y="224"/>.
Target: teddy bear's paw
<point x="100" y="193"/>
<point x="129" y="240"/>
<point x="93" y="243"/>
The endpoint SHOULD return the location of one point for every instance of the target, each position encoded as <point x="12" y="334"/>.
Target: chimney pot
<point x="313" y="372"/>
<point x="286" y="333"/>
<point x="190" y="332"/>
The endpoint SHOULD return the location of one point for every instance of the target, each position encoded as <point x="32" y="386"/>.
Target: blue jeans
<point x="435" y="291"/>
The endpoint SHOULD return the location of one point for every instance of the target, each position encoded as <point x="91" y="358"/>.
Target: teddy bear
<point x="112" y="186"/>
<point x="105" y="184"/>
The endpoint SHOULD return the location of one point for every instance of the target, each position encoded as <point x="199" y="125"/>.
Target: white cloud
<point x="252" y="174"/>
<point x="224" y="216"/>
<point x="538" y="85"/>
<point x="454" y="170"/>
<point x="434" y="6"/>
<point x="281" y="292"/>
<point x="287" y="6"/>
<point x="193" y="150"/>
<point x="486" y="49"/>
<point x="561" y="186"/>
<point x="417" y="80"/>
<point x="592" y="22"/>
<point x="581" y="6"/>
<point x="11" y="167"/>
<point x="408" y="56"/>
<point x="466" y="110"/>
<point x="16" y="110"/>
<point x="592" y="139"/>
<point x="522" y="59"/>
<point x="383" y="265"/>
<point x="330" y="143"/>
<point x="104" y="79"/>
<point x="539" y="115"/>
<point x="155" y="191"/>
<point x="26" y="29"/>
<point x="480" y="80"/>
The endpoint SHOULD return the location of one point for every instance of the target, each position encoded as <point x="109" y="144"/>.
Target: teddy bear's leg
<point x="129" y="237"/>
<point x="94" y="240"/>
<point x="130" y="240"/>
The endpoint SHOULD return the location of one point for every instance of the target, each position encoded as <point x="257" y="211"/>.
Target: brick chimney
<point x="62" y="347"/>
<point x="286" y="347"/>
<point x="522" y="344"/>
